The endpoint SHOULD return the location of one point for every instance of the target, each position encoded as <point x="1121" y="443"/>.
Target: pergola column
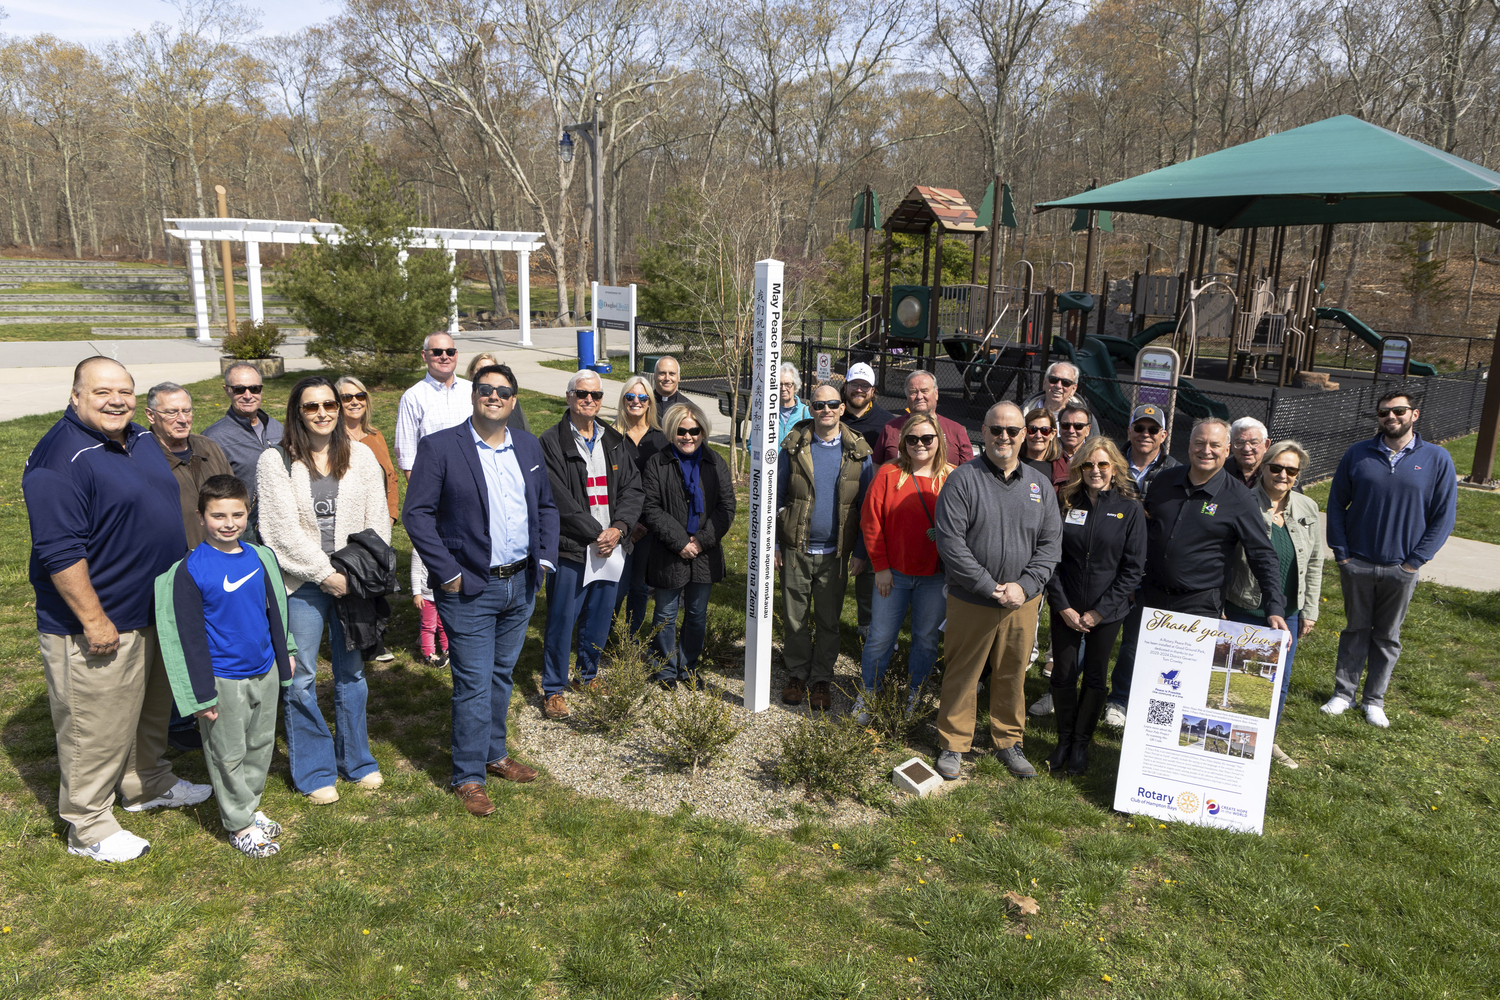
<point x="200" y="290"/>
<point x="453" y="330"/>
<point x="523" y="294"/>
<point x="252" y="273"/>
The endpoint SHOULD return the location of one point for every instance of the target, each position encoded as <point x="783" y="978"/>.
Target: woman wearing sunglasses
<point x="636" y="419"/>
<point x="356" y="402"/>
<point x="1292" y="523"/>
<point x="1040" y="448"/>
<point x="689" y="508"/>
<point x="900" y="537"/>
<point x="316" y="490"/>
<point x="1103" y="561"/>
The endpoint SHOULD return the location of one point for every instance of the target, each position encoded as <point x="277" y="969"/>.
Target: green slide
<point x="1356" y="326"/>
<point x="1097" y="359"/>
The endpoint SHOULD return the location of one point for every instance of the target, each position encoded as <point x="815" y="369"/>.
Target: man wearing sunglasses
<point x="1059" y="388"/>
<point x="598" y="494"/>
<point x="480" y="513"/>
<point x="822" y="474"/>
<point x="1391" y="506"/>
<point x="999" y="534"/>
<point x="1074" y="425"/>
<point x="244" y="432"/>
<point x="438" y="402"/>
<point x="922" y="397"/>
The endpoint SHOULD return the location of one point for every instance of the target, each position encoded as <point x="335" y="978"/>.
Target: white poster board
<point x="1199" y="727"/>
<point x="765" y="399"/>
<point x="614" y="309"/>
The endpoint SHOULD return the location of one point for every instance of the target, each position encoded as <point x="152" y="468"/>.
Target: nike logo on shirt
<point x="230" y="588"/>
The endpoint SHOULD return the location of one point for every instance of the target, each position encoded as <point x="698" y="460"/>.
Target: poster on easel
<point x="1201" y="721"/>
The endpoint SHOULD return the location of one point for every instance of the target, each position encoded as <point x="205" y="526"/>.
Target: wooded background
<point x="738" y="130"/>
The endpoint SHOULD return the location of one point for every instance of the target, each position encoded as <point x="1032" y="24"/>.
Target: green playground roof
<point x="1342" y="169"/>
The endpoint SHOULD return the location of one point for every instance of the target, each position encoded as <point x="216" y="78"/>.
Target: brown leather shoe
<point x="556" y="707"/>
<point x="792" y="693"/>
<point x="822" y="698"/>
<point x="512" y="770"/>
<point x="471" y="794"/>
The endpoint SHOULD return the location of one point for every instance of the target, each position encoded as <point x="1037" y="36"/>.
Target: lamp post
<point x="590" y="132"/>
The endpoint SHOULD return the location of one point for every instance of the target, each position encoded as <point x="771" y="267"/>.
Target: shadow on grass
<point x="32" y="749"/>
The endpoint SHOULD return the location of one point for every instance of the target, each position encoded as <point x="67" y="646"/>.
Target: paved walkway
<point x="36" y="378"/>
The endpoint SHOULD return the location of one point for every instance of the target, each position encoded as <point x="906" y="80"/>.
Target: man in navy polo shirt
<point x="105" y="522"/>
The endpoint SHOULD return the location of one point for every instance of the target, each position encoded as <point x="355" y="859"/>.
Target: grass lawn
<point x="1378" y="875"/>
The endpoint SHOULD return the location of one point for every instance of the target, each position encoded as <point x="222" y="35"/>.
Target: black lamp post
<point x="590" y="132"/>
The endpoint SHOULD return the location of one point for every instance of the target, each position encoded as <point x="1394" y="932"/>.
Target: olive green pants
<point x="811" y="650"/>
<point x="237" y="745"/>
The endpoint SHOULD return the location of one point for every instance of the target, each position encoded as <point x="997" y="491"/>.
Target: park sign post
<point x="1201" y="721"/>
<point x="614" y="309"/>
<point x="765" y="401"/>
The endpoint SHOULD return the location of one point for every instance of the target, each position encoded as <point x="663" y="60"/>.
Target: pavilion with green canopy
<point x="1340" y="170"/>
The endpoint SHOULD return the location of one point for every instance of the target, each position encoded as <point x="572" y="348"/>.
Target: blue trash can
<point x="585" y="349"/>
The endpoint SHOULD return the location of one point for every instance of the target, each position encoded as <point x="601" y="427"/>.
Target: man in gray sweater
<point x="1000" y="537"/>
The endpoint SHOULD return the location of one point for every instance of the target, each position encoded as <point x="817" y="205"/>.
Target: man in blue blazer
<point x="479" y="512"/>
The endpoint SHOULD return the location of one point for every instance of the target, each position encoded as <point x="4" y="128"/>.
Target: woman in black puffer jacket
<point x="689" y="508"/>
<point x="1103" y="560"/>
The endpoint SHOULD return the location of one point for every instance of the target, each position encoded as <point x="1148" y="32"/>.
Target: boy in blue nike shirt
<point x="221" y="617"/>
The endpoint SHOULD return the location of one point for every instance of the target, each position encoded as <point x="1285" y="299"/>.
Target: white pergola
<point x="254" y="232"/>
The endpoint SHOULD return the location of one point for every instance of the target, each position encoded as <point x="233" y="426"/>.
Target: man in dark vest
<point x="824" y="470"/>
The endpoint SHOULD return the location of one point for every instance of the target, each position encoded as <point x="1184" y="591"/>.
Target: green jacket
<point x="183" y="634"/>
<point x="1307" y="541"/>
<point x="794" y="489"/>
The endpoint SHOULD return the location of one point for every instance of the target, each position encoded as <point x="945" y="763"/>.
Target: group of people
<point x="195" y="577"/>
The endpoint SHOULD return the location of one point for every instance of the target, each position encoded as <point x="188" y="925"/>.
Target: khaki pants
<point x="974" y="636"/>
<point x="811" y="649"/>
<point x="110" y="716"/>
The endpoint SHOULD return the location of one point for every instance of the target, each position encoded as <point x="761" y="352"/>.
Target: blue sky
<point x="92" y="22"/>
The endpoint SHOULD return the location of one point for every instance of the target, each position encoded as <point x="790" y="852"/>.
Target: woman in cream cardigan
<point x="316" y="490"/>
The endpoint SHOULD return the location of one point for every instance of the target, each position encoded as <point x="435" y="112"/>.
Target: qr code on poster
<point x="1160" y="713"/>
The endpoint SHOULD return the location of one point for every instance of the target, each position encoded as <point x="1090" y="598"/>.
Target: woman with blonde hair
<point x="901" y="541"/>
<point x="1103" y="561"/>
<point x="356" y="402"/>
<point x="636" y="419"/>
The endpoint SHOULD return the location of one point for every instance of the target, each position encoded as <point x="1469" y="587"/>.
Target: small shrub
<point x="723" y="641"/>
<point x="696" y="726"/>
<point x="833" y="758"/>
<point x="889" y="716"/>
<point x="252" y="340"/>
<point x="617" y="702"/>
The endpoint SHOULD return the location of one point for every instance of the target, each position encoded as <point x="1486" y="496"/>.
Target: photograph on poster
<point x="1216" y="738"/>
<point x="1242" y="743"/>
<point x="1244" y="665"/>
<point x="1194" y="729"/>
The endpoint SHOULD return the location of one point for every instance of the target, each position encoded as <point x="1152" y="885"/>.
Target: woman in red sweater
<point x="900" y="534"/>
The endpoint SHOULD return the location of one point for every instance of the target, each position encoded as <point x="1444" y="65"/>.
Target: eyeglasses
<point x="1056" y="380"/>
<point x="690" y="432"/>
<point x="1045" y="430"/>
<point x="253" y="390"/>
<point x="1091" y="466"/>
<point x="174" y="414"/>
<point x="925" y="440"/>
<point x="485" y="389"/>
<point x="824" y="404"/>
<point x="439" y="352"/>
<point x="1073" y="427"/>
<point x="1283" y="470"/>
<point x="313" y="406"/>
<point x="637" y="397"/>
<point x="582" y="394"/>
<point x="997" y="430"/>
<point x="1399" y="411"/>
<point x="1146" y="428"/>
<point x="349" y="397"/>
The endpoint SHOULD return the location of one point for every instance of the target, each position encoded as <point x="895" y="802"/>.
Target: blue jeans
<point x="923" y="595"/>
<point x="680" y="658"/>
<point x="485" y="634"/>
<point x="633" y="591"/>
<point x="316" y="756"/>
<point x="566" y="595"/>
<point x="1294" y="625"/>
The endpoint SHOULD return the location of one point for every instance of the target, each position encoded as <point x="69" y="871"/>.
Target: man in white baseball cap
<point x="865" y="416"/>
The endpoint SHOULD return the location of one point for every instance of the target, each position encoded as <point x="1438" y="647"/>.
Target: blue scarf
<point x="692" y="479"/>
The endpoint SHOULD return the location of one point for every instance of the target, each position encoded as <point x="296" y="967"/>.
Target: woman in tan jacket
<point x="317" y="489"/>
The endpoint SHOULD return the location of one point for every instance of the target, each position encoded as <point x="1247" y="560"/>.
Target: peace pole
<point x="765" y="396"/>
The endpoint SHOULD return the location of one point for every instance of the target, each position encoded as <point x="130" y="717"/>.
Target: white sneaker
<point x="1114" y="715"/>
<point x="861" y="715"/>
<point x="184" y="793"/>
<point x="122" y="846"/>
<point x="1281" y="757"/>
<point x="1042" y="706"/>
<point x="253" y="843"/>
<point x="1375" y="715"/>
<point x="266" y="825"/>
<point x="1335" y="706"/>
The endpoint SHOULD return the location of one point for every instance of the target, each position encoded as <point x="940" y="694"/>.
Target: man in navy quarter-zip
<point x="1390" y="508"/>
<point x="105" y="522"/>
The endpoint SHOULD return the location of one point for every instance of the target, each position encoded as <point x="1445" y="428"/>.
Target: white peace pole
<point x="760" y="589"/>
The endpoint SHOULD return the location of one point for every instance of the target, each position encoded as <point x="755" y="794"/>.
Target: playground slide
<point x="1356" y="326"/>
<point x="1097" y="359"/>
